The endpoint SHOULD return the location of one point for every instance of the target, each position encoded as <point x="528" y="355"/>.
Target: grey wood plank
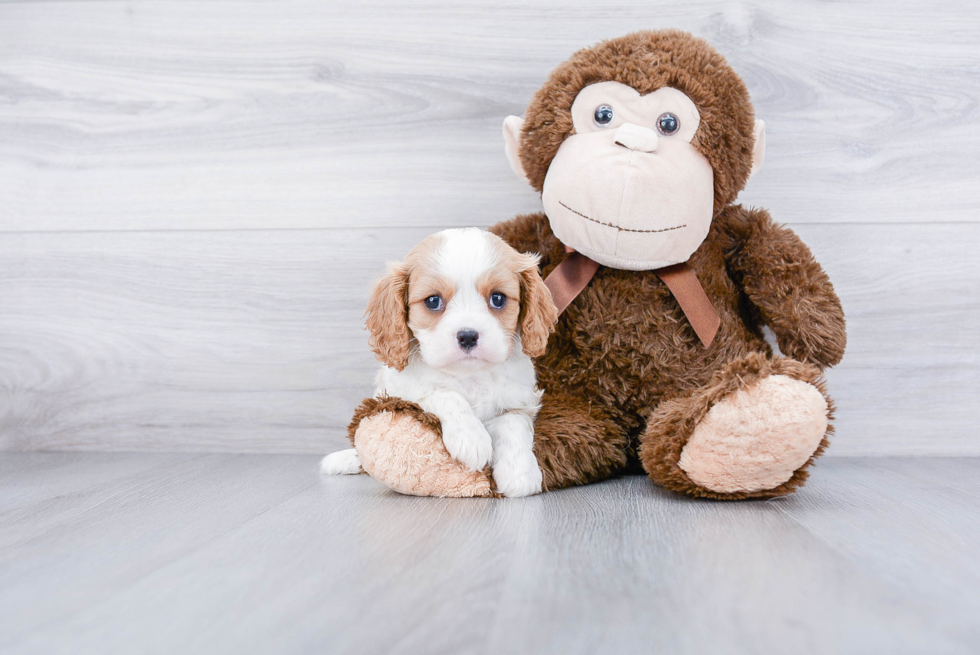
<point x="848" y="565"/>
<point x="99" y="539"/>
<point x="914" y="523"/>
<point x="252" y="341"/>
<point x="27" y="480"/>
<point x="912" y="362"/>
<point x="664" y="574"/>
<point x="205" y="115"/>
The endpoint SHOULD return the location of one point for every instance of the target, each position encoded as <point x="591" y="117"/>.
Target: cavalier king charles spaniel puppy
<point x="456" y="325"/>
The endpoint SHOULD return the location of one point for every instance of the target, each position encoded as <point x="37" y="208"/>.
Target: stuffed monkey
<point x="639" y="147"/>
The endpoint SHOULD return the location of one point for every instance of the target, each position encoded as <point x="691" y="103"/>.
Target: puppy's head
<point x="461" y="298"/>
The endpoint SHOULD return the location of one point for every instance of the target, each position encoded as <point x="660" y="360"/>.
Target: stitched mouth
<point x="621" y="229"/>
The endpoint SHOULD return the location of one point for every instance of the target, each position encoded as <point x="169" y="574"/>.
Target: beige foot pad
<point x="408" y="456"/>
<point x="757" y="437"/>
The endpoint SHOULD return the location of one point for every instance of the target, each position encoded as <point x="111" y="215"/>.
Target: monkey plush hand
<point x="639" y="147"/>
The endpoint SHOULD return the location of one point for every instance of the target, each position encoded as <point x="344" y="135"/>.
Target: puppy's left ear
<point x="538" y="312"/>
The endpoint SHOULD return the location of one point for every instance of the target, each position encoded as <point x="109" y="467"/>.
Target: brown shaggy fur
<point x="372" y="406"/>
<point x="624" y="346"/>
<point x="648" y="61"/>
<point x="463" y="483"/>
<point x="674" y="421"/>
<point x="625" y="377"/>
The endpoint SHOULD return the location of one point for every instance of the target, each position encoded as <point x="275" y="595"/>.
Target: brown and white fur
<point x="465" y="357"/>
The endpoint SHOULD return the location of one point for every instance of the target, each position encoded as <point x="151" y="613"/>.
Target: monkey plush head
<point x="635" y="144"/>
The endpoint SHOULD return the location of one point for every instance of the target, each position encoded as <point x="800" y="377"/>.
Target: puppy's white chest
<point x="483" y="396"/>
<point x="489" y="393"/>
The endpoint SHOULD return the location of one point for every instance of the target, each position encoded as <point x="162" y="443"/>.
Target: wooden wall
<point x="196" y="196"/>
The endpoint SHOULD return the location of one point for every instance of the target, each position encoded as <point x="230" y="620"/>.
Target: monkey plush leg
<point x="400" y="445"/>
<point x="576" y="443"/>
<point x="751" y="432"/>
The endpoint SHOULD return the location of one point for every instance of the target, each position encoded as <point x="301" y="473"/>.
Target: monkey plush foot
<point x="757" y="437"/>
<point x="401" y="446"/>
<point x="752" y="432"/>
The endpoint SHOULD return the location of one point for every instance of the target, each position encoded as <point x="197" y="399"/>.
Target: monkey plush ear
<point x="512" y="144"/>
<point x="759" y="149"/>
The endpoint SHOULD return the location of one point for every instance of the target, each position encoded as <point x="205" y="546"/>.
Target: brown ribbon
<point x="574" y="273"/>
<point x="569" y="278"/>
<point x="683" y="283"/>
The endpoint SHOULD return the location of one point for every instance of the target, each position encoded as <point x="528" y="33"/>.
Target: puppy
<point x="455" y="325"/>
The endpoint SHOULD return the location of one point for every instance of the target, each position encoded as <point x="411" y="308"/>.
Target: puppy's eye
<point x="497" y="300"/>
<point x="433" y="302"/>
<point x="603" y="115"/>
<point x="667" y="124"/>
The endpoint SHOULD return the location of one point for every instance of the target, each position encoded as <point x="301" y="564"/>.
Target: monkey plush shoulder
<point x="639" y="147"/>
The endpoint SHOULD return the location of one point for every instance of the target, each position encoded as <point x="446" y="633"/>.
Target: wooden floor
<point x="191" y="553"/>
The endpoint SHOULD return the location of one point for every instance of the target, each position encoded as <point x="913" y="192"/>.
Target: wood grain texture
<point x="252" y="341"/>
<point x="255" y="554"/>
<point x="196" y="196"/>
<point x="205" y="115"/>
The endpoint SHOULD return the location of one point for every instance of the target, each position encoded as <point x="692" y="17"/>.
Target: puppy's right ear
<point x="387" y="318"/>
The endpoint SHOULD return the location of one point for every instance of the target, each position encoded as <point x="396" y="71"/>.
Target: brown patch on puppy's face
<point x="529" y="306"/>
<point x="425" y="284"/>
<point x="506" y="306"/>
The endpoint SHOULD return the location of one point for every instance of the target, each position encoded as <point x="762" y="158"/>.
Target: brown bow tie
<point x="574" y="273"/>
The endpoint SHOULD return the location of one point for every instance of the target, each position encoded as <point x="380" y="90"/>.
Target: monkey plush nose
<point x="635" y="137"/>
<point x="467" y="338"/>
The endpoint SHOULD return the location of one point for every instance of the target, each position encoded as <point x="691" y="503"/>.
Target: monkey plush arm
<point x="790" y="290"/>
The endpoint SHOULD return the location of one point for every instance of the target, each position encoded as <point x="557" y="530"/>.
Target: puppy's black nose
<point x="467" y="338"/>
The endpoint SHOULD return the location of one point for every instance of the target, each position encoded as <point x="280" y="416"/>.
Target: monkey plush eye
<point x="603" y="115"/>
<point x="497" y="300"/>
<point x="667" y="124"/>
<point x="433" y="302"/>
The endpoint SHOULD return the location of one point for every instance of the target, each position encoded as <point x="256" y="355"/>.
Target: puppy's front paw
<point x="468" y="442"/>
<point x="518" y="476"/>
<point x="342" y="462"/>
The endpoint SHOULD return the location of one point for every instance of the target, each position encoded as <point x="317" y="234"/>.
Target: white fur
<point x="463" y="256"/>
<point x="342" y="462"/>
<point x="486" y="399"/>
<point x="515" y="468"/>
<point x="471" y="404"/>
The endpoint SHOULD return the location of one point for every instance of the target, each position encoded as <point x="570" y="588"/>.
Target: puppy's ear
<point x="387" y="318"/>
<point x="538" y="312"/>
